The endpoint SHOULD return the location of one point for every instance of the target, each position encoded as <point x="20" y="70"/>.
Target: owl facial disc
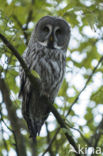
<point x="51" y="40"/>
<point x="52" y="33"/>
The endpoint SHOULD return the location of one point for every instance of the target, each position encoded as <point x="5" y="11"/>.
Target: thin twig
<point x="29" y="18"/>
<point x="48" y="140"/>
<point x="11" y="132"/>
<point x="5" y="143"/>
<point x="63" y="125"/>
<point x="24" y="28"/>
<point x="89" y="78"/>
<point x="51" y="142"/>
<point x="81" y="135"/>
<point x="97" y="134"/>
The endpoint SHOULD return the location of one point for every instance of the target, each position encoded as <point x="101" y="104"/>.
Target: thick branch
<point x="13" y="118"/>
<point x="23" y="64"/>
<point x="35" y="83"/>
<point x="63" y="125"/>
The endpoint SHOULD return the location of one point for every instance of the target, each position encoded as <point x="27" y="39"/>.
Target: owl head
<point x="51" y="32"/>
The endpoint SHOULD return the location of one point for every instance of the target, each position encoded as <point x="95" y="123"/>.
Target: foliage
<point x="17" y="19"/>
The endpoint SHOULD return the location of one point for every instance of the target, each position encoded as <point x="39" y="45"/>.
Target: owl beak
<point x="51" y="38"/>
<point x="51" y="42"/>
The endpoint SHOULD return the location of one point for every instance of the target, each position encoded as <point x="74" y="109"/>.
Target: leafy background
<point x="82" y="88"/>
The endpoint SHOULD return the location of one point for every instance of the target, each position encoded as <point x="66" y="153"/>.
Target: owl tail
<point x="37" y="112"/>
<point x="35" y="127"/>
<point x="32" y="130"/>
<point x="35" y="123"/>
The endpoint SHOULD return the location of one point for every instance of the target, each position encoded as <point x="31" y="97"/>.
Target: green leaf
<point x="36" y="75"/>
<point x="65" y="130"/>
<point x="98" y="96"/>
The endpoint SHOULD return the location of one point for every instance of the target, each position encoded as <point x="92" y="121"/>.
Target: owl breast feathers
<point x="46" y="55"/>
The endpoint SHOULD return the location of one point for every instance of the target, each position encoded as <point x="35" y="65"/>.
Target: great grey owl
<point x="46" y="54"/>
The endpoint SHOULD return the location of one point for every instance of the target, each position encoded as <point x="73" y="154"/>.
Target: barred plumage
<point x="49" y="63"/>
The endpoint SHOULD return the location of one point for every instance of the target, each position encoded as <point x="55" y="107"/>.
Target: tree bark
<point x="19" y="139"/>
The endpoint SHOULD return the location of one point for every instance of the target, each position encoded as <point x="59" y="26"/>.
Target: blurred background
<point x="81" y="95"/>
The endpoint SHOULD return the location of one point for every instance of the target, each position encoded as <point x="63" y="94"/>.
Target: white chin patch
<point x="56" y="46"/>
<point x="43" y="43"/>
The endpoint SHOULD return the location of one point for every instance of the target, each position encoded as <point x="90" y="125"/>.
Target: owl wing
<point x="34" y="108"/>
<point x="25" y="91"/>
<point x="51" y="70"/>
<point x="22" y="74"/>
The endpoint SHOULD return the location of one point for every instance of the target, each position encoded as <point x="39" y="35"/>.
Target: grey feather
<point x="49" y="63"/>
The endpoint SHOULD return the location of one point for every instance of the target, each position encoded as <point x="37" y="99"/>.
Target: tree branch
<point x="48" y="141"/>
<point x="52" y="140"/>
<point x="21" y="27"/>
<point x="2" y="132"/>
<point x="96" y="136"/>
<point x="10" y="131"/>
<point x="89" y="78"/>
<point x="34" y="82"/>
<point x="24" y="28"/>
<point x="20" y="146"/>
<point x="20" y="59"/>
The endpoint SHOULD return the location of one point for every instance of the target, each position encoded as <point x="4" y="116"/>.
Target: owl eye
<point x="46" y="29"/>
<point x="58" y="32"/>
